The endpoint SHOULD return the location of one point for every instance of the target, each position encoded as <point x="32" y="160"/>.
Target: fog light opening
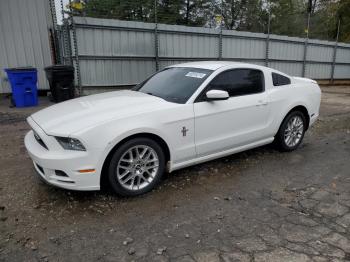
<point x="60" y="173"/>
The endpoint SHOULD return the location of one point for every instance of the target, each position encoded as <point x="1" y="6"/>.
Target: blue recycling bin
<point x="23" y="81"/>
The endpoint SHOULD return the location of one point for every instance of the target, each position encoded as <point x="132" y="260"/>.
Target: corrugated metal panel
<point x="115" y="72"/>
<point x="114" y="52"/>
<point x="115" y="42"/>
<point x="243" y="48"/>
<point x="320" y="53"/>
<point x="318" y="71"/>
<point x="286" y="51"/>
<point x="165" y="63"/>
<point x="293" y="69"/>
<point x="343" y="55"/>
<point x="342" y="72"/>
<point x="181" y="45"/>
<point x="258" y="63"/>
<point x="182" y="41"/>
<point x="24" y="41"/>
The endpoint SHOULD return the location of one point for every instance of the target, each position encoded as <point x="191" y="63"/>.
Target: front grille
<point x="40" y="141"/>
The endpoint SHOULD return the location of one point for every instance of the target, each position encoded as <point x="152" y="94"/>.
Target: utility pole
<point x="335" y="53"/>
<point x="156" y="43"/>
<point x="220" y="34"/>
<point x="307" y="36"/>
<point x="268" y="39"/>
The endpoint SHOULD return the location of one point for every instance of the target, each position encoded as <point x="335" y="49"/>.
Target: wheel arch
<point x="163" y="144"/>
<point x="303" y="110"/>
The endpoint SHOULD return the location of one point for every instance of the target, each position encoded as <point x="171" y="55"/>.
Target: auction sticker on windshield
<point x="195" y="74"/>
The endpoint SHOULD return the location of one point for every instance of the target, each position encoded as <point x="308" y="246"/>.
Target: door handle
<point x="262" y="103"/>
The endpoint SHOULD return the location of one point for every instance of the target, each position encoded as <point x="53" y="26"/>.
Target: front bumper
<point x="313" y="119"/>
<point x="47" y="162"/>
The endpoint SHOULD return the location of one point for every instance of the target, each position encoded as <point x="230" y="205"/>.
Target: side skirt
<point x="195" y="161"/>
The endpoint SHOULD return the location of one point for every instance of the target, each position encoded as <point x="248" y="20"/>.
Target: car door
<point x="241" y="119"/>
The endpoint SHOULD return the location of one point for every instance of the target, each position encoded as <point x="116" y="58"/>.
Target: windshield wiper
<point x="149" y="93"/>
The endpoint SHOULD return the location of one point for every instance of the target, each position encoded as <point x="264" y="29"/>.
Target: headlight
<point x="70" y="143"/>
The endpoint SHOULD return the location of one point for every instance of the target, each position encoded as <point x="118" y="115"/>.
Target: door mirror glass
<point x="217" y="95"/>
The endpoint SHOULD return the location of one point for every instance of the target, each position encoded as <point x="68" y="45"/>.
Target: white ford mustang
<point x="183" y="115"/>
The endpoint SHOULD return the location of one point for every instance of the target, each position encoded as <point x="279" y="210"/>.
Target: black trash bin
<point x="61" y="80"/>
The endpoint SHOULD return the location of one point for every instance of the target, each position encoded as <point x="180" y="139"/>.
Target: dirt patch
<point x="260" y="204"/>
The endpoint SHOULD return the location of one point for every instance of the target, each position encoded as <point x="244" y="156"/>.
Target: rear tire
<point x="136" y="167"/>
<point x="291" y="132"/>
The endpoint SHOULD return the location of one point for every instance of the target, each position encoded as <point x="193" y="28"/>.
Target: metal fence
<point x="114" y="53"/>
<point x="25" y="28"/>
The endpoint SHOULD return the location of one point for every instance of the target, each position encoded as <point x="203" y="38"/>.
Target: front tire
<point x="136" y="167"/>
<point x="291" y="132"/>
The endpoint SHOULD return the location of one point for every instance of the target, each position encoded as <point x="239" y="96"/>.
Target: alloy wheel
<point x="137" y="167"/>
<point x="294" y="131"/>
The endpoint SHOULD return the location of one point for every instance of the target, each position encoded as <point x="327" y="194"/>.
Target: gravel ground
<point x="259" y="205"/>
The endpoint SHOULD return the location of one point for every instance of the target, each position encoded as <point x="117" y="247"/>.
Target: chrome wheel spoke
<point x="138" y="156"/>
<point x="128" y="178"/>
<point x="150" y="175"/>
<point x="131" y="156"/>
<point x="151" y="167"/>
<point x="296" y="140"/>
<point x="152" y="160"/>
<point x="293" y="142"/>
<point x="144" y="178"/>
<point x="138" y="182"/>
<point x="144" y="151"/>
<point x="146" y="157"/>
<point x="300" y="128"/>
<point x="125" y="160"/>
<point x="132" y="182"/>
<point x="124" y="166"/>
<point x="124" y="174"/>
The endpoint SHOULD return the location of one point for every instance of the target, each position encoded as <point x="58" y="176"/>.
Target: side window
<point x="239" y="82"/>
<point x="280" y="80"/>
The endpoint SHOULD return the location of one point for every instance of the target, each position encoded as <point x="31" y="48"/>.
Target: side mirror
<point x="213" y="95"/>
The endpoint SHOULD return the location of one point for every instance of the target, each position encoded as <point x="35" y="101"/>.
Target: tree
<point x="183" y="12"/>
<point x="343" y="14"/>
<point x="288" y="17"/>
<point x="241" y="14"/>
<point x="137" y="10"/>
<point x="325" y="17"/>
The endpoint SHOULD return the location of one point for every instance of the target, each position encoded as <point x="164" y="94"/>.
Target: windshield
<point x="175" y="84"/>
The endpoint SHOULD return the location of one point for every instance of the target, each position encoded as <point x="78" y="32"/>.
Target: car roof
<point x="214" y="65"/>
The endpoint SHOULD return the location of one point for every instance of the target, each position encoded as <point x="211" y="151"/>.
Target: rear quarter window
<point x="239" y="82"/>
<point x="280" y="80"/>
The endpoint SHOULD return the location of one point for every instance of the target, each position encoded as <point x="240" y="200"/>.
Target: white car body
<point x="214" y="129"/>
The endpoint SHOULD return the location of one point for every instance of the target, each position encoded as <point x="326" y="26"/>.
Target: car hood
<point x="71" y="116"/>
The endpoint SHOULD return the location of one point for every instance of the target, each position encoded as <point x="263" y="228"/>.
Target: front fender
<point x="129" y="133"/>
<point x="112" y="134"/>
